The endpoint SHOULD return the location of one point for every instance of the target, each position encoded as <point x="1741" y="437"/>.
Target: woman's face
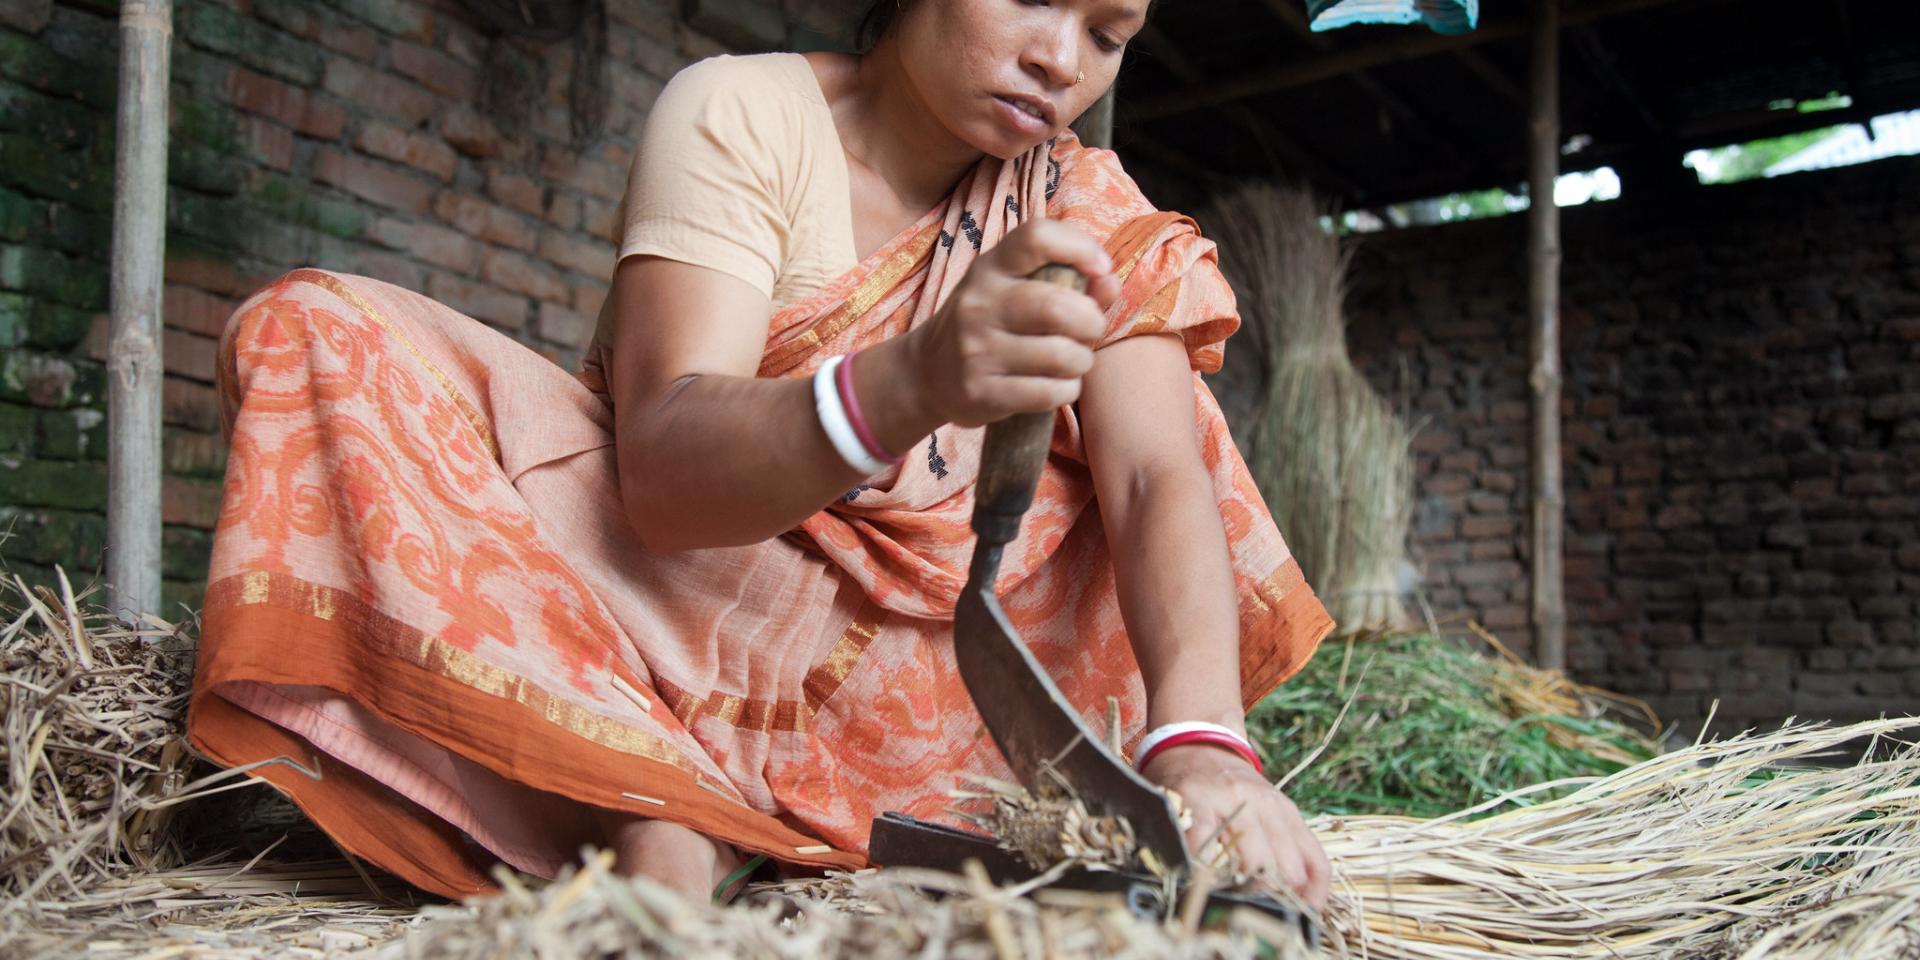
<point x="986" y="67"/>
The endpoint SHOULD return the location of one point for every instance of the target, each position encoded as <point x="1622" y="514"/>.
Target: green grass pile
<point x="1436" y="726"/>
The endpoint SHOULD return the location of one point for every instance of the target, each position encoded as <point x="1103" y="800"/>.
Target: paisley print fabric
<point x="424" y="593"/>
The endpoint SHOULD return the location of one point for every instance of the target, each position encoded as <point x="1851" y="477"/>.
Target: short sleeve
<point x="1172" y="284"/>
<point x="706" y="186"/>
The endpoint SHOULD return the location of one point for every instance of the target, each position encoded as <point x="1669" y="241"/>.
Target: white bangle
<point x="1162" y="732"/>
<point x="833" y="419"/>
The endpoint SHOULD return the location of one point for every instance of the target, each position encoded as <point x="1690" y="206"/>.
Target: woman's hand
<point x="1003" y="344"/>
<point x="1263" y="829"/>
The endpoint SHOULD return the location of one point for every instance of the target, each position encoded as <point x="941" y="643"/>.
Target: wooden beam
<point x="134" y="370"/>
<point x="1286" y="152"/>
<point x="1411" y="46"/>
<point x="1543" y="309"/>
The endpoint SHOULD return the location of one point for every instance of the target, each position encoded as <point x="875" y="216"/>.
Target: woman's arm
<point x="1163" y="527"/>
<point x="711" y="456"/>
<point x="1177" y="596"/>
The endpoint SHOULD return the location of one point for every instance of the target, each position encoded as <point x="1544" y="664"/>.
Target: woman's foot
<point x="669" y="854"/>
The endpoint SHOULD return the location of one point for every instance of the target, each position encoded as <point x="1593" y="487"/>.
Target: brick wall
<point x="393" y="138"/>
<point x="1741" y="428"/>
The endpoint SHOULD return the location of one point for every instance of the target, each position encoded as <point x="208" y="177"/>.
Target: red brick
<point x="489" y="222"/>
<point x="356" y="42"/>
<point x="562" y="326"/>
<point x="188" y="355"/>
<point x="474" y="134"/>
<point x="515" y="191"/>
<point x="1447" y="483"/>
<point x="1479" y="528"/>
<point x="1905" y="328"/>
<point x="588" y="298"/>
<point x="479" y="301"/>
<point x="190" y="451"/>
<point x="188" y="404"/>
<point x="196" y="311"/>
<point x="563" y="210"/>
<point x="267" y="142"/>
<point x="1490" y="550"/>
<point x="603" y="180"/>
<point x="202" y="273"/>
<point x="191" y="503"/>
<point x="377" y="182"/>
<point x="602" y="220"/>
<point x="523" y="275"/>
<point x="1504" y="617"/>
<point x="436" y="71"/>
<point x="284" y="104"/>
<point x="1486" y="573"/>
<point x="379" y="93"/>
<point x="424" y="241"/>
<point x="413" y="149"/>
<point x="577" y="254"/>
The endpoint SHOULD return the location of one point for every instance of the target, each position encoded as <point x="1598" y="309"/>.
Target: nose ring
<point x="1080" y="79"/>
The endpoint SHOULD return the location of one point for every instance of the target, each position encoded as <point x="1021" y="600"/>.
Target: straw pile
<point x="1424" y="725"/>
<point x="1726" y="849"/>
<point x="1330" y="455"/>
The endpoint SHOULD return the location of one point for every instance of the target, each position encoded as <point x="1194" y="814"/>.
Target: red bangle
<point x="1212" y="738"/>
<point x="844" y="378"/>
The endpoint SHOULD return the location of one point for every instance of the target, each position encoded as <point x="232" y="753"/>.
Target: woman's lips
<point x="1017" y="116"/>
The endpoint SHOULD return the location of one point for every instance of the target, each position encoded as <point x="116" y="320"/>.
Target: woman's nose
<point x="1055" y="53"/>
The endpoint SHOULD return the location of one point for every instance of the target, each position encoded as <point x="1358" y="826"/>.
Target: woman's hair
<point x="880" y="16"/>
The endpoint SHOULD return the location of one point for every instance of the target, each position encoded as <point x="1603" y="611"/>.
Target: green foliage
<point x="1435" y="728"/>
<point x="1746" y="161"/>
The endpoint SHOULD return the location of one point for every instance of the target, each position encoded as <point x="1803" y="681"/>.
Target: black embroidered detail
<point x="1013" y="206"/>
<point x="1053" y="175"/>
<point x="946" y="240"/>
<point x="936" y="464"/>
<point x="971" y="229"/>
<point x="856" y="491"/>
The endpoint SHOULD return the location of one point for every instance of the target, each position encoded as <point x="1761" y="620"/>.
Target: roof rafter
<point x="1413" y="46"/>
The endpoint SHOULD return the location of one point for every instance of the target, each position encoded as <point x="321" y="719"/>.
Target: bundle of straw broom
<point x="1329" y="454"/>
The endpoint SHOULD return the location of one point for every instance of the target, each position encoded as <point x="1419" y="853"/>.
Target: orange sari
<point x="424" y="589"/>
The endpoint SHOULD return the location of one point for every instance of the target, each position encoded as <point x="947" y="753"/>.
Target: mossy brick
<point x="215" y="222"/>
<point x="15" y="311"/>
<point x="51" y="275"/>
<point x="54" y="326"/>
<point x="20" y="216"/>
<point x="179" y="597"/>
<point x="36" y="167"/>
<point x="193" y="454"/>
<point x="204" y="169"/>
<point x="391" y="16"/>
<point x="16" y="429"/>
<point x="62" y="123"/>
<point x="223" y="31"/>
<point x="72" y="539"/>
<point x="81" y="233"/>
<point x="294" y="201"/>
<point x="203" y="121"/>
<point x="185" y="553"/>
<point x="71" y="484"/>
<point x="39" y="66"/>
<point x="79" y="433"/>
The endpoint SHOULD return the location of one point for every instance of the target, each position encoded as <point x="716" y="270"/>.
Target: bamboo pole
<point x="1543" y="309"/>
<point x="138" y="265"/>
<point x="1095" y="127"/>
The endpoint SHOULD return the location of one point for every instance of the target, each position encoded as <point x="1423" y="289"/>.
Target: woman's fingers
<point x="1046" y="356"/>
<point x="1036" y="243"/>
<point x="1034" y="308"/>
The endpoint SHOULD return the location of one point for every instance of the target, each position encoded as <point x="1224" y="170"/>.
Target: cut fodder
<point x="1672" y="854"/>
<point x="1331" y="457"/>
<point x="96" y="760"/>
<point x="1435" y="726"/>
<point x="875" y="915"/>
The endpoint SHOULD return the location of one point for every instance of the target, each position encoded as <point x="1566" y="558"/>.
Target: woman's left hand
<point x="1263" y="828"/>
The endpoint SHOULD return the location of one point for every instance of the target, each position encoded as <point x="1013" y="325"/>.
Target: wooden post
<point x="1095" y="127"/>
<point x="138" y="266"/>
<point x="1543" y="309"/>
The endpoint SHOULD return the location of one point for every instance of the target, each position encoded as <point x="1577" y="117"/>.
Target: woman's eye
<point x="1106" y="43"/>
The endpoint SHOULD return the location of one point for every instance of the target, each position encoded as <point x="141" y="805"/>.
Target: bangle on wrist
<point x="1195" y="731"/>
<point x="827" y="404"/>
<point x="851" y="403"/>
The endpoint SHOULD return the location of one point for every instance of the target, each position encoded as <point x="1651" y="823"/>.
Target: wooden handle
<point x="1015" y="450"/>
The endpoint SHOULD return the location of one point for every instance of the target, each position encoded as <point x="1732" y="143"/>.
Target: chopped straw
<point x="1740" y="848"/>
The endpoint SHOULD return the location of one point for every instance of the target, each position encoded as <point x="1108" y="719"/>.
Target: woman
<point x="695" y="603"/>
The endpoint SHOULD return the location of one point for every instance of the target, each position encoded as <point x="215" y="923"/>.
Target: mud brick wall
<point x="393" y="138"/>
<point x="1741" y="427"/>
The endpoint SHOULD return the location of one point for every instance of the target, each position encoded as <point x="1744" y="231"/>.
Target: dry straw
<point x="1330" y="455"/>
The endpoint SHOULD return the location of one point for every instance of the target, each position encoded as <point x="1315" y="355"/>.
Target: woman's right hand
<point x="1005" y="344"/>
